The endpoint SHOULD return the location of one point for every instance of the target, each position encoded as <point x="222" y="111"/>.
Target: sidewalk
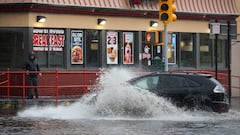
<point x="16" y="104"/>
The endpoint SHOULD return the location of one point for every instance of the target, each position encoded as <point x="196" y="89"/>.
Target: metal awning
<point x="224" y="7"/>
<point x="214" y="7"/>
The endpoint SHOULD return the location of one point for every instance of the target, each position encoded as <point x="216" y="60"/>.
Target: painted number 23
<point x="111" y="40"/>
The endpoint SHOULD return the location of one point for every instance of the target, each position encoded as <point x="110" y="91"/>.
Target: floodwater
<point x="117" y="109"/>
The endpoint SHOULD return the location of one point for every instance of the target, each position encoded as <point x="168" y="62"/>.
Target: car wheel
<point x="192" y="102"/>
<point x="197" y="102"/>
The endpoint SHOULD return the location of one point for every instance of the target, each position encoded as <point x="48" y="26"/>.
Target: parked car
<point x="187" y="90"/>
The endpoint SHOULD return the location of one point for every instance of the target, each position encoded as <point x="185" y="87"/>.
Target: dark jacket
<point x="32" y="65"/>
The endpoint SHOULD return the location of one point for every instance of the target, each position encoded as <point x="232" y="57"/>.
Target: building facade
<point x="72" y="38"/>
<point x="235" y="57"/>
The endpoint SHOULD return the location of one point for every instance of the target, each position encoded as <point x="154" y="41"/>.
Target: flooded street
<point x="227" y="124"/>
<point x="117" y="109"/>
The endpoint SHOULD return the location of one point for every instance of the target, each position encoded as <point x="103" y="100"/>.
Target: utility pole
<point x="165" y="45"/>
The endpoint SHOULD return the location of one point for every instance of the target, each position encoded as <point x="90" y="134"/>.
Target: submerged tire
<point x="197" y="102"/>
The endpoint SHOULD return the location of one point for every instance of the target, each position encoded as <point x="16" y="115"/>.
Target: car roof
<point x="200" y="78"/>
<point x="182" y="74"/>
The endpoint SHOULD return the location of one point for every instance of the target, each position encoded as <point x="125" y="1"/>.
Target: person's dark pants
<point x="32" y="81"/>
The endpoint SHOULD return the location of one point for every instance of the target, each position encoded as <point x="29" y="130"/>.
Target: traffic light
<point x="166" y="12"/>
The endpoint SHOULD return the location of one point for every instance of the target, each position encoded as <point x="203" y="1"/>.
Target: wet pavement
<point x="72" y="120"/>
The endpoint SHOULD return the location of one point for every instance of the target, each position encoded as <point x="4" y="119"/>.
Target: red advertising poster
<point x="128" y="48"/>
<point x="76" y="47"/>
<point x="48" y="40"/>
<point x="112" y="48"/>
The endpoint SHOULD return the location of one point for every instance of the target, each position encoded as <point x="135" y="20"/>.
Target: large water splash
<point x="113" y="99"/>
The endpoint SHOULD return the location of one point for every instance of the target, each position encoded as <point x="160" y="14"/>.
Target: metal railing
<point x="11" y="82"/>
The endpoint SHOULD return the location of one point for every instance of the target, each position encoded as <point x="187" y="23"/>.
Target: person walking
<point x="32" y="68"/>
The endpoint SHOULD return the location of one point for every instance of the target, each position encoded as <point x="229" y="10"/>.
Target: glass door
<point x="92" y="48"/>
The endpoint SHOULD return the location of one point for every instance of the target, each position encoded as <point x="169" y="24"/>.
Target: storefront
<point x="72" y="39"/>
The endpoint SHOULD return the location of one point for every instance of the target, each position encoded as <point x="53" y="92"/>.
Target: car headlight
<point x="219" y="89"/>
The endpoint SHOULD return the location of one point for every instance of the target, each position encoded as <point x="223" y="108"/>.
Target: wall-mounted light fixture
<point x="101" y="21"/>
<point x="153" y="23"/>
<point x="41" y="19"/>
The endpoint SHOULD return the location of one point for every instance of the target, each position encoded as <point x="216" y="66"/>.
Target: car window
<point x="171" y="81"/>
<point x="148" y="83"/>
<point x="191" y="83"/>
<point x="166" y="81"/>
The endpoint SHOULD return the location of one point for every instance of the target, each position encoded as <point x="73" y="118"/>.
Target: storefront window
<point x="42" y="58"/>
<point x="187" y="49"/>
<point x="11" y="50"/>
<point x="206" y="51"/>
<point x="50" y="59"/>
<point x="221" y="51"/>
<point x="48" y="44"/>
<point x="56" y="59"/>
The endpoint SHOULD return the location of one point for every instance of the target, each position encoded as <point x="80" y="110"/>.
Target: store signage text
<point x="48" y="40"/>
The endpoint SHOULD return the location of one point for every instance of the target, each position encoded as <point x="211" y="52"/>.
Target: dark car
<point x="187" y="90"/>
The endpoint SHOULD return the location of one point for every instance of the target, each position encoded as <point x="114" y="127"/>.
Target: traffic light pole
<point x="166" y="14"/>
<point x="165" y="45"/>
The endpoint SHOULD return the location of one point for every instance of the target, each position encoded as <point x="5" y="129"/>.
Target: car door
<point x="172" y="85"/>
